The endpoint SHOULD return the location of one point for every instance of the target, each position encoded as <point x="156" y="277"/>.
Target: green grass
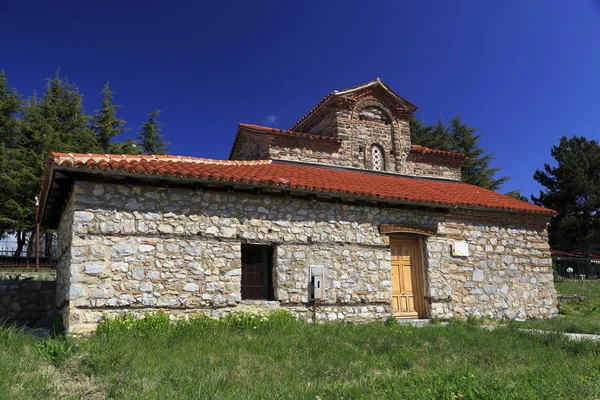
<point x="244" y="357"/>
<point x="576" y="316"/>
<point x="23" y="374"/>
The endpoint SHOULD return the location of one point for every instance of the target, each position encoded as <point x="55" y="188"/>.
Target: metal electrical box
<point x="316" y="282"/>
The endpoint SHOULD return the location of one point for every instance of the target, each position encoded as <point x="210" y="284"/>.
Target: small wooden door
<point x="407" y="279"/>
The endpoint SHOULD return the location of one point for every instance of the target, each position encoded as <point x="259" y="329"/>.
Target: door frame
<point x="418" y="276"/>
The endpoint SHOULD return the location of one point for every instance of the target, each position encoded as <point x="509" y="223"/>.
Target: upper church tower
<point x="365" y="127"/>
<point x="371" y="120"/>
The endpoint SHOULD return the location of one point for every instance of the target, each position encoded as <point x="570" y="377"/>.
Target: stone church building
<point x="341" y="208"/>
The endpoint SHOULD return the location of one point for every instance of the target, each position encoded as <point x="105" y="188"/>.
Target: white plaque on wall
<point x="460" y="249"/>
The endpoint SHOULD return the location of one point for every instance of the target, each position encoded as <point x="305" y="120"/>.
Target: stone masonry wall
<point x="430" y="170"/>
<point x="30" y="302"/>
<point x="507" y="275"/>
<point x="64" y="237"/>
<point x="327" y="126"/>
<point x="137" y="249"/>
<point x="251" y="146"/>
<point x="300" y="149"/>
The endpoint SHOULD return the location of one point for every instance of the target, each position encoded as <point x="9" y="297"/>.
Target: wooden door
<point x="407" y="286"/>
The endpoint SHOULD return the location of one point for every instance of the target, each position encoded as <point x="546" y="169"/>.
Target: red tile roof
<point x="426" y="150"/>
<point x="276" y="131"/>
<point x="383" y="187"/>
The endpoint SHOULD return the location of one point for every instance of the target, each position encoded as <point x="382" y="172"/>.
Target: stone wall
<point x="27" y="302"/>
<point x="137" y="249"/>
<point x="431" y="169"/>
<point x="327" y="126"/>
<point x="507" y="275"/>
<point x="64" y="236"/>
<point x="250" y="146"/>
<point x="304" y="150"/>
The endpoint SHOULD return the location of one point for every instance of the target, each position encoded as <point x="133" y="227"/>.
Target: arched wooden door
<point x="407" y="278"/>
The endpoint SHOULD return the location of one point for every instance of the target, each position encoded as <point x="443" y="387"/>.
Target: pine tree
<point x="517" y="195"/>
<point x="150" y="139"/>
<point x="129" y="146"/>
<point x="461" y="138"/>
<point x="10" y="105"/>
<point x="105" y="123"/>
<point x="573" y="189"/>
<point x="476" y="168"/>
<point x="56" y="122"/>
<point x="432" y="136"/>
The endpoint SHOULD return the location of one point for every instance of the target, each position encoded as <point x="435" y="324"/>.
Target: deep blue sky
<point x="523" y="72"/>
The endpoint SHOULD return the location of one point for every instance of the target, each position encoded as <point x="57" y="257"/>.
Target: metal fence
<point x="19" y="261"/>
<point x="575" y="268"/>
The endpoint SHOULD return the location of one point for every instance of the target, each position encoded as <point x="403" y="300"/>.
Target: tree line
<point x="33" y="127"/>
<point x="571" y="186"/>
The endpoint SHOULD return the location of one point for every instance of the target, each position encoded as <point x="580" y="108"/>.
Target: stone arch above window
<point x="373" y="111"/>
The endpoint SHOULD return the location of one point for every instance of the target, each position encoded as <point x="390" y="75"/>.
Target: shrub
<point x="56" y="350"/>
<point x="158" y="323"/>
<point x="454" y="320"/>
<point x="473" y="320"/>
<point x="249" y="320"/>
<point x="390" y="321"/>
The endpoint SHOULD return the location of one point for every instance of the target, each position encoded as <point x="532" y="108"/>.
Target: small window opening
<point x="257" y="272"/>
<point x="377" y="160"/>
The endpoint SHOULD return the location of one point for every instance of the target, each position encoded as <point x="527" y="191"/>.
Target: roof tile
<point x="301" y="177"/>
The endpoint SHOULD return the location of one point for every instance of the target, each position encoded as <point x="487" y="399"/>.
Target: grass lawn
<point x="278" y="358"/>
<point x="576" y="316"/>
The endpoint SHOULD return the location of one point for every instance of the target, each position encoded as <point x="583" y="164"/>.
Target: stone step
<point x="414" y="322"/>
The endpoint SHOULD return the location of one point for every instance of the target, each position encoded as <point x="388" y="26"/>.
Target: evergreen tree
<point x="10" y="106"/>
<point x="127" y="147"/>
<point x="432" y="136"/>
<point x="56" y="122"/>
<point x="461" y="138"/>
<point x="573" y="189"/>
<point x="517" y="195"/>
<point x="476" y="168"/>
<point x="105" y="124"/>
<point x="150" y="139"/>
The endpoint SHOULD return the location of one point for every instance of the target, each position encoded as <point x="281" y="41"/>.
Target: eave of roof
<point x="310" y="179"/>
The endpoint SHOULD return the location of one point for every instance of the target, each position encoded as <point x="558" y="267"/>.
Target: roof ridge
<point x="422" y="149"/>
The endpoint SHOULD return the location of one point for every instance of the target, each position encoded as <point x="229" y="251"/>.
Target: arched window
<point x="377" y="159"/>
